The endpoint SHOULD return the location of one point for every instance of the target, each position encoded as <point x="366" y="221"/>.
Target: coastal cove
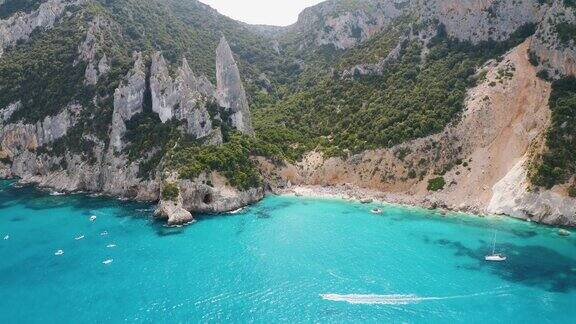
<point x="283" y="259"/>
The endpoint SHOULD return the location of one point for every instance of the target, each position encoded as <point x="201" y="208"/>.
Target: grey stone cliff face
<point x="15" y="138"/>
<point x="230" y="91"/>
<point x="128" y="100"/>
<point x="558" y="58"/>
<point x="90" y="49"/>
<point x="19" y="26"/>
<point x="183" y="98"/>
<point x="7" y="112"/>
<point x="480" y="20"/>
<point x="330" y="23"/>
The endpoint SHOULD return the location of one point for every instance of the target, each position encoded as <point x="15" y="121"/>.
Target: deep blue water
<point x="275" y="262"/>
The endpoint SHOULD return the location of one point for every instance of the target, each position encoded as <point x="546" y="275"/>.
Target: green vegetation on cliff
<point x="33" y="72"/>
<point x="412" y="98"/>
<point x="558" y="163"/>
<point x="170" y="191"/>
<point x="11" y="7"/>
<point x="436" y="184"/>
<point x="231" y="159"/>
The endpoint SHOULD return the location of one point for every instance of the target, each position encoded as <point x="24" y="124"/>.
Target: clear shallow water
<point x="284" y="259"/>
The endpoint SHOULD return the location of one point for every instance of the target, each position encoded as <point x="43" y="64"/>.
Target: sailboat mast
<point x="494" y="244"/>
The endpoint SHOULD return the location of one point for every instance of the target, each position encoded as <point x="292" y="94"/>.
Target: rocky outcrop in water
<point x="230" y="91"/>
<point x="20" y="26"/>
<point x="218" y="197"/>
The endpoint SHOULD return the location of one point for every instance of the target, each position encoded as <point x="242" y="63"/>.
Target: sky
<point x="267" y="12"/>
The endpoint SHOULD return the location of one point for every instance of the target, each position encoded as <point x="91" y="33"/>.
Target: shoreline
<point x="349" y="193"/>
<point x="362" y="195"/>
<point x="344" y="192"/>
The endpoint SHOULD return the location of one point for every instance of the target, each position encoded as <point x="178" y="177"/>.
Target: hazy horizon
<point x="262" y="12"/>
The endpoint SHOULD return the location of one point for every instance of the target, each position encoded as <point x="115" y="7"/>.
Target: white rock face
<point x="331" y="23"/>
<point x="90" y="49"/>
<point x="15" y="138"/>
<point x="481" y="20"/>
<point x="217" y="198"/>
<point x="512" y="197"/>
<point x="230" y="91"/>
<point x="128" y="101"/>
<point x="164" y="96"/>
<point x="558" y="58"/>
<point x="7" y="112"/>
<point x="183" y="98"/>
<point x="19" y="26"/>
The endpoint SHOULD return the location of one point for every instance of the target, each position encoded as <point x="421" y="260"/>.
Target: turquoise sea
<point x="285" y="259"/>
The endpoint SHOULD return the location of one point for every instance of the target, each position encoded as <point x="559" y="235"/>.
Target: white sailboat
<point x="495" y="257"/>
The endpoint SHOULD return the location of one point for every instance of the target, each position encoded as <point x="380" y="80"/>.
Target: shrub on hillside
<point x="436" y="184"/>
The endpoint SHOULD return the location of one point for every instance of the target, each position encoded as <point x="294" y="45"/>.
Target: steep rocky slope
<point x="487" y="152"/>
<point x="461" y="104"/>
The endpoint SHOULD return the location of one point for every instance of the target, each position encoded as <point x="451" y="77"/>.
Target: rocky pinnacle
<point x="230" y="91"/>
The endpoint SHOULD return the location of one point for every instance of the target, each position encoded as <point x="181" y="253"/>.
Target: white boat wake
<point x="395" y="299"/>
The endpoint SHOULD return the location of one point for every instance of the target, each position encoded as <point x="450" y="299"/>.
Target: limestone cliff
<point x="555" y="55"/>
<point x="230" y="91"/>
<point x="128" y="100"/>
<point x="345" y="25"/>
<point x="90" y="50"/>
<point x="481" y="20"/>
<point x="20" y="26"/>
<point x="184" y="98"/>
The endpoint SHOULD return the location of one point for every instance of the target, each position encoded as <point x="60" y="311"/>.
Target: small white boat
<point x="81" y="237"/>
<point x="57" y="193"/>
<point x="93" y="218"/>
<point x="376" y="211"/>
<point x="110" y="246"/>
<point x="104" y="233"/>
<point x="59" y="252"/>
<point x="7" y="237"/>
<point x="495" y="257"/>
<point x="107" y="261"/>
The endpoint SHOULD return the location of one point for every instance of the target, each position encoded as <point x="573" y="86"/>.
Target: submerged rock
<point x="563" y="232"/>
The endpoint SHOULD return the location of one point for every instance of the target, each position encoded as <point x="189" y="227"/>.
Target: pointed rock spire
<point x="230" y="91"/>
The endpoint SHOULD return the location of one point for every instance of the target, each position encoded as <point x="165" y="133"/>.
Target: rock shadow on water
<point x="531" y="265"/>
<point x="17" y="219"/>
<point x="162" y="230"/>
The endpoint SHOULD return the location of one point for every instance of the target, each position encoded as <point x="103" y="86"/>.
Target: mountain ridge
<point x="171" y="97"/>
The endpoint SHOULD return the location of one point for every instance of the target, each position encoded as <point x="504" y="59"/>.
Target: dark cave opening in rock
<point x="207" y="199"/>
